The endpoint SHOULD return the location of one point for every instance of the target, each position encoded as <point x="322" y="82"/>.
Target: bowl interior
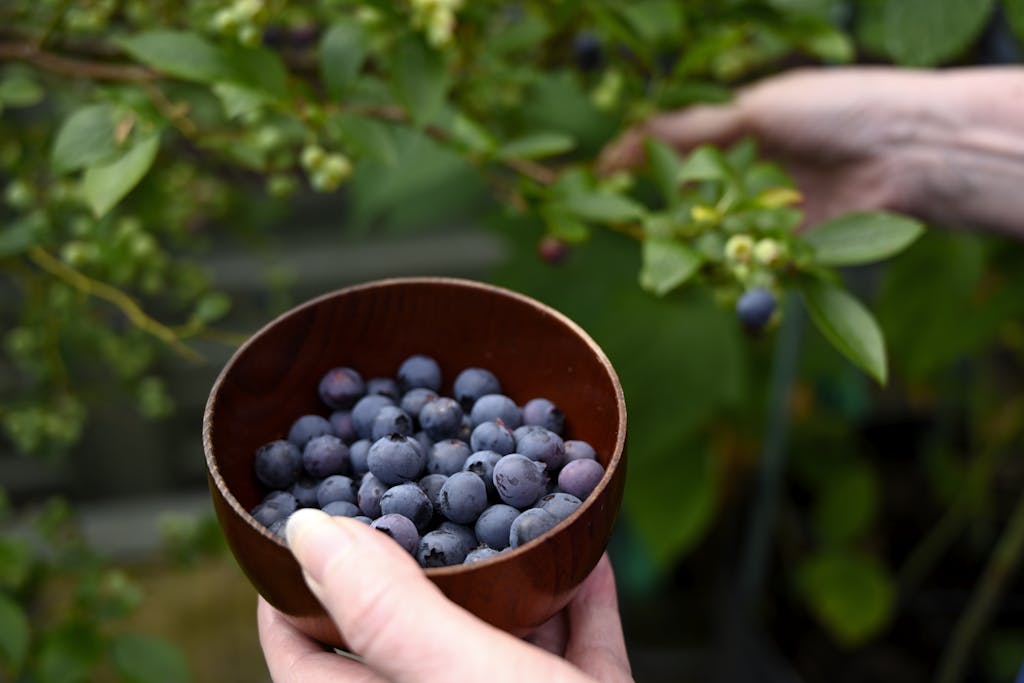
<point x="272" y="379"/>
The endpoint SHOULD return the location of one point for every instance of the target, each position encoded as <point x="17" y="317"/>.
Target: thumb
<point x="683" y="130"/>
<point x="386" y="608"/>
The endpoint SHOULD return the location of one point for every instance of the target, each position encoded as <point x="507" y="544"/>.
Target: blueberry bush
<point x="135" y="136"/>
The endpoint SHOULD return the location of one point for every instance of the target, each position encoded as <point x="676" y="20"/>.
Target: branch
<point x="125" y="303"/>
<point x="79" y="68"/>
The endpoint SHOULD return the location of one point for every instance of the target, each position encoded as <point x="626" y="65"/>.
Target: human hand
<point x="406" y="630"/>
<point x="943" y="145"/>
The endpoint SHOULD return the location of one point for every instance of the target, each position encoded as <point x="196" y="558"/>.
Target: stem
<point x="125" y="303"/>
<point x="773" y="456"/>
<point x="1000" y="568"/>
<point x="69" y="66"/>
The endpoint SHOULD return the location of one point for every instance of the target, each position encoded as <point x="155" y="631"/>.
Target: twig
<point x="69" y="66"/>
<point x="125" y="303"/>
<point x="998" y="571"/>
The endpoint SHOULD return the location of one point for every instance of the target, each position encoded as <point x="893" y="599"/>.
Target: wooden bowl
<point x="533" y="350"/>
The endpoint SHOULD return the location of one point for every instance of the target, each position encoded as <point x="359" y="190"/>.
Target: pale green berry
<point x="19" y="194"/>
<point x="312" y="157"/>
<point x="250" y="35"/>
<point x="280" y="185"/>
<point x="338" y="165"/>
<point x="225" y="20"/>
<point x="78" y="254"/>
<point x="739" y="248"/>
<point x="768" y="252"/>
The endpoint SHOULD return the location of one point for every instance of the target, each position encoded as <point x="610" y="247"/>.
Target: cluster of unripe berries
<point x="757" y="304"/>
<point x="241" y="20"/>
<point x="326" y="171"/>
<point x="436" y="19"/>
<point x="451" y="479"/>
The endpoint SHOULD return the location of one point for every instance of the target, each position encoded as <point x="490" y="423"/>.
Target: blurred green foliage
<point x="113" y="112"/>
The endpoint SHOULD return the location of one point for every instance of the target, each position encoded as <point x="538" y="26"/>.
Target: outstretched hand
<point x="406" y="630"/>
<point x="943" y="145"/>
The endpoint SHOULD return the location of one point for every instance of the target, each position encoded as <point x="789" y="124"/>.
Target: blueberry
<point x="396" y="459"/>
<point x="335" y="488"/>
<point x="543" y="446"/>
<point x="472" y="383"/>
<point x="496" y="407"/>
<point x="325" y="455"/>
<point x="441" y="419"/>
<point x="431" y="485"/>
<point x="341" y="508"/>
<point x="419" y="371"/>
<point x="391" y="420"/>
<point x="364" y="412"/>
<point x="447" y="457"/>
<point x="308" y="426"/>
<point x="277" y="527"/>
<point x="401" y="529"/>
<point x="276" y="506"/>
<point x="413" y="401"/>
<point x="492" y="436"/>
<point x="410" y="501"/>
<point x="341" y="423"/>
<point x="560" y="505"/>
<point x="383" y="386"/>
<point x="544" y="413"/>
<point x="425" y="442"/>
<point x="464" y="533"/>
<point x="465" y="429"/>
<point x="341" y="387"/>
<point x="463" y="497"/>
<point x="586" y="50"/>
<point x="519" y="480"/>
<point x="482" y="465"/>
<point x="278" y="464"/>
<point x="481" y="553"/>
<point x="580" y="477"/>
<point x="755" y="308"/>
<point x="440" y="549"/>
<point x="304" y="491"/>
<point x="579" y="450"/>
<point x="358" y="452"/>
<point x="529" y="525"/>
<point x="368" y="496"/>
<point x="494" y="524"/>
<point x="364" y="519"/>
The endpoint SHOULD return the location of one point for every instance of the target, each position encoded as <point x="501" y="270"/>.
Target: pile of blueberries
<point x="451" y="479"/>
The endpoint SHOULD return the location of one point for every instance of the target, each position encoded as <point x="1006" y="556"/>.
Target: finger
<point x="551" y="635"/>
<point x="392" y="615"/>
<point x="683" y="130"/>
<point x="596" y="644"/>
<point x="292" y="656"/>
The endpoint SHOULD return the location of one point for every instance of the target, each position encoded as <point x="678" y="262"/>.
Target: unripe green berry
<point x="313" y="157"/>
<point x="768" y="252"/>
<point x="739" y="248"/>
<point x="78" y="254"/>
<point x="281" y="186"/>
<point x="338" y="166"/>
<point x="250" y="35"/>
<point x="19" y="194"/>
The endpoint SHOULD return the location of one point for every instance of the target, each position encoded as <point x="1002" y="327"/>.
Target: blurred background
<point x="786" y="519"/>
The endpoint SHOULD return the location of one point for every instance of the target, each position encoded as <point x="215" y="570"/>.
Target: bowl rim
<point x="614" y="462"/>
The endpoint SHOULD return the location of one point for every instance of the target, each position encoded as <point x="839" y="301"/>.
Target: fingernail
<point x="315" y="538"/>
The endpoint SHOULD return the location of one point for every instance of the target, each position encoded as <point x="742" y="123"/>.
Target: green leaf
<point x="704" y="163"/>
<point x="563" y="225"/>
<point x="848" y="326"/>
<point x="846" y="503"/>
<point x="14" y="635"/>
<point x="852" y="596"/>
<point x="257" y="68"/>
<point x="830" y="44"/>
<point x="667" y="264"/>
<point x="366" y="137"/>
<point x="86" y="137"/>
<point x="16" y="238"/>
<point x="665" y="166"/>
<point x="104" y="186"/>
<point x="653" y="21"/>
<point x="931" y="32"/>
<point x="145" y="659"/>
<point x="601" y="207"/>
<point x="182" y="54"/>
<point x="15" y="563"/>
<point x="342" y="53"/>
<point x="420" y="79"/>
<point x="471" y="135"/>
<point x="1015" y="16"/>
<point x="536" y="146"/>
<point x="69" y="654"/>
<point x="18" y="89"/>
<point x="239" y="100"/>
<point x="212" y="306"/>
<point x="858" y="238"/>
